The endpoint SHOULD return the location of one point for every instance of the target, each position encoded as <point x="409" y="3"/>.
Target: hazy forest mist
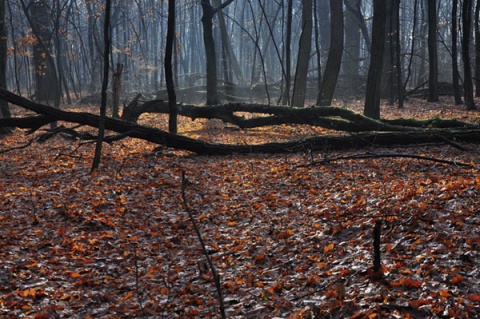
<point x="257" y="47"/>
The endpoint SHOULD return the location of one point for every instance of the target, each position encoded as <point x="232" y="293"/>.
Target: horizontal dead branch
<point x="320" y="143"/>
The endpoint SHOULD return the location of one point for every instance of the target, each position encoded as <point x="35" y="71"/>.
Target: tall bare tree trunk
<point x="103" y="104"/>
<point x="210" y="54"/>
<point x="352" y="42"/>
<point x="432" y="52"/>
<point x="172" y="97"/>
<point x="227" y="45"/>
<point x="455" y="74"/>
<point x="334" y="61"/>
<point x="288" y="54"/>
<point x="467" y="68"/>
<point x="477" y="49"/>
<point x="397" y="62"/>
<point x="304" y="50"/>
<point x="4" y="109"/>
<point x="372" y="97"/>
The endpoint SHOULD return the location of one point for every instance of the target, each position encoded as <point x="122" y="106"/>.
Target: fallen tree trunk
<point x="335" y="118"/>
<point x="154" y="135"/>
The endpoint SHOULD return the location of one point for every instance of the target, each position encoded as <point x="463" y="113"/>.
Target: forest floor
<point x="290" y="238"/>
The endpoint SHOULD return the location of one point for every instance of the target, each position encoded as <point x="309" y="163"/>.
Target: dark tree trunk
<point x="467" y="68"/>
<point x="386" y="85"/>
<point x="4" y="109"/>
<point x="209" y="42"/>
<point x="477" y="49"/>
<point x="397" y="53"/>
<point x="352" y="42"/>
<point x="354" y="7"/>
<point x="325" y="23"/>
<point x="413" y="48"/>
<point x="94" y="65"/>
<point x="318" y="51"/>
<point x="210" y="54"/>
<point x="455" y="75"/>
<point x="432" y="52"/>
<point x="103" y="104"/>
<point x="372" y="97"/>
<point x="288" y="54"/>
<point x="334" y="61"/>
<point x="304" y="51"/>
<point x="172" y="97"/>
<point x="46" y="79"/>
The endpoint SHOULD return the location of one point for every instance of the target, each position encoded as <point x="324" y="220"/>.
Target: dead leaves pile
<point x="290" y="240"/>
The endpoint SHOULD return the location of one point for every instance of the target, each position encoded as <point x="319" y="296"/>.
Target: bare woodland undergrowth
<point x="289" y="239"/>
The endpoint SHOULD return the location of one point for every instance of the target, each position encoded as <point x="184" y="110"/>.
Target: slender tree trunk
<point x="211" y="56"/>
<point x="304" y="50"/>
<point x="4" y="109"/>
<point x="354" y="7"/>
<point x="477" y="49"/>
<point x="92" y="51"/>
<point x="172" y="97"/>
<point x="317" y="45"/>
<point x="422" y="74"/>
<point x="467" y="69"/>
<point x="288" y="54"/>
<point x="352" y="43"/>
<point x="386" y="85"/>
<point x="412" y="49"/>
<point x="397" y="53"/>
<point x="432" y="52"/>
<point x="372" y="97"/>
<point x="103" y="104"/>
<point x="227" y="45"/>
<point x="334" y="61"/>
<point x="455" y="74"/>
<point x="324" y="20"/>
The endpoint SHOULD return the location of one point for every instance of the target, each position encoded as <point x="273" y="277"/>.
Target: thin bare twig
<point x="387" y="155"/>
<point x="216" y="277"/>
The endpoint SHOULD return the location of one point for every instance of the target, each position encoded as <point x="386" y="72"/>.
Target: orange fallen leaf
<point x="328" y="248"/>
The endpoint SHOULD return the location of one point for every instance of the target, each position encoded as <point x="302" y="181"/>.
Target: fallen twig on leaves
<point x="215" y="275"/>
<point x="386" y="155"/>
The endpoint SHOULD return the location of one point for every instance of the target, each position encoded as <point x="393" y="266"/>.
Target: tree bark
<point x="334" y="61"/>
<point x="350" y="65"/>
<point x="432" y="52"/>
<point x="467" y="69"/>
<point x="477" y="49"/>
<point x="103" y="104"/>
<point x="372" y="97"/>
<point x="397" y="54"/>
<point x="455" y="74"/>
<point x="303" y="60"/>
<point x="288" y="54"/>
<point x="4" y="109"/>
<point x="172" y="97"/>
<point x="328" y="117"/>
<point x="211" y="56"/>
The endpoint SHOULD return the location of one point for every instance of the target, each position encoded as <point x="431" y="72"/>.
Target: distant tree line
<point x="290" y="52"/>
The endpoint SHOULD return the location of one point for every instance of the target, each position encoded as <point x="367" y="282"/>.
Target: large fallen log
<point x="335" y="118"/>
<point x="154" y="135"/>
